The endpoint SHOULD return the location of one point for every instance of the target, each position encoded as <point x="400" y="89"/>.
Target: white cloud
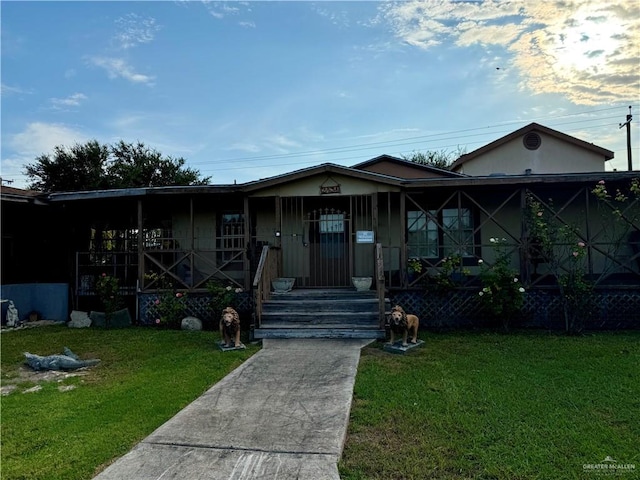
<point x="134" y="30"/>
<point x="36" y="139"/>
<point x="117" y="67"/>
<point x="247" y="24"/>
<point x="71" y="101"/>
<point x="6" y="90"/>
<point x="244" y="147"/>
<point x="336" y="17"/>
<point x="282" y="143"/>
<point x="585" y="50"/>
<point x="40" y="137"/>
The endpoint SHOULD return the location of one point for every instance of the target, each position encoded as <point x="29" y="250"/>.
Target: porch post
<point x="374" y="220"/>
<point x="278" y="240"/>
<point x="525" y="270"/>
<point x="140" y="285"/>
<point x="247" y="245"/>
<point x="403" y="238"/>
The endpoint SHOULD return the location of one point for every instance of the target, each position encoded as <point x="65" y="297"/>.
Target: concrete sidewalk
<point x="282" y="414"/>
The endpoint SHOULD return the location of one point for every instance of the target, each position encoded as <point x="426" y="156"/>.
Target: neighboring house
<point x="533" y="149"/>
<point x="325" y="224"/>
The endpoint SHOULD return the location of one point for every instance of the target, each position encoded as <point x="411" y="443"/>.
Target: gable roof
<point x="403" y="168"/>
<point x="607" y="154"/>
<point x="319" y="169"/>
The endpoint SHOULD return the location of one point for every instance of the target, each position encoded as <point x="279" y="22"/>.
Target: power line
<point x="424" y="141"/>
<point x="405" y="140"/>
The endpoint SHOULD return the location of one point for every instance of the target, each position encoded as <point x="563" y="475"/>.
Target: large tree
<point x="80" y="167"/>
<point x="93" y="166"/>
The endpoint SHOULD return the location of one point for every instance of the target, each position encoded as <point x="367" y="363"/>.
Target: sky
<point x="248" y="90"/>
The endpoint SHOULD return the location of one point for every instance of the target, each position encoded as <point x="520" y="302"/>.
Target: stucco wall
<point x="553" y="156"/>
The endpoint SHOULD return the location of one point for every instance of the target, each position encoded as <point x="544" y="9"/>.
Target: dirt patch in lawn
<point x="25" y="377"/>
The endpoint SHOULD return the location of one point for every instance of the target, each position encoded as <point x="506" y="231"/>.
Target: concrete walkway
<point x="282" y="414"/>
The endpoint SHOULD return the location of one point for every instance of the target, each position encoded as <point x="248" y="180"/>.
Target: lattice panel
<point x="197" y="306"/>
<point x="618" y="310"/>
<point x="542" y="309"/>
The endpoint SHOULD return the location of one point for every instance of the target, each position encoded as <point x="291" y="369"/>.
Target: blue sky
<point x="248" y="90"/>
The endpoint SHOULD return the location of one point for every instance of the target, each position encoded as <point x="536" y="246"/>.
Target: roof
<point x="319" y="169"/>
<point x="426" y="170"/>
<point x="18" y="195"/>
<point x="607" y="154"/>
<point x="557" y="179"/>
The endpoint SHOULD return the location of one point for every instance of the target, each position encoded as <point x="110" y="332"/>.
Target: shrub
<point x="502" y="294"/>
<point x="222" y="296"/>
<point x="108" y="290"/>
<point x="170" y="307"/>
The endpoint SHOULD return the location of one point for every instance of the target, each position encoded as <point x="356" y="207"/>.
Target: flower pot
<point x="282" y="285"/>
<point x="362" y="284"/>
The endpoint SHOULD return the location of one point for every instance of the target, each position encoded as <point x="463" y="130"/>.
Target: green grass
<point x="491" y="406"/>
<point x="528" y="405"/>
<point x="145" y="377"/>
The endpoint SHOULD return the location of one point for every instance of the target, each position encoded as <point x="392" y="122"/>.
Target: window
<point x="422" y="234"/>
<point x="231" y="235"/>
<point x="457" y="236"/>
<point x="425" y="239"/>
<point x="332" y="235"/>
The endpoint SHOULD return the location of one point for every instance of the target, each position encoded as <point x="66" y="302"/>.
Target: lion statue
<point x="230" y="327"/>
<point x="402" y="323"/>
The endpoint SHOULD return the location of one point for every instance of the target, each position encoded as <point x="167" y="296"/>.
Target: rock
<point x="79" y="319"/>
<point x="37" y="388"/>
<point x="191" y="323"/>
<point x="118" y="319"/>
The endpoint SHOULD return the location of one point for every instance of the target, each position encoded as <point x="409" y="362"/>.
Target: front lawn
<point x="466" y="405"/>
<point x="528" y="405"/>
<point x="72" y="426"/>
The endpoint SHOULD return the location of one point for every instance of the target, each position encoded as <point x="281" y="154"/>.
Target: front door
<point x="329" y="247"/>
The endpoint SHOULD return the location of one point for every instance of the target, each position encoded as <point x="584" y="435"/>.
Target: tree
<point x="81" y="167"/>
<point x="93" y="166"/>
<point x="140" y="166"/>
<point x="439" y="159"/>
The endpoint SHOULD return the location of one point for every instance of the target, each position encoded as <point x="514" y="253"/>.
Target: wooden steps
<point x="321" y="313"/>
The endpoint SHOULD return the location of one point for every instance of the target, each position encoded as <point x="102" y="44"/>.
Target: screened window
<point x="332" y="223"/>
<point x="457" y="232"/>
<point x="422" y="233"/>
<point x="332" y="235"/>
<point x="231" y="235"/>
<point x="425" y="239"/>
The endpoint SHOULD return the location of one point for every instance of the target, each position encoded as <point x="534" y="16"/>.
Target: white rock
<point x="79" y="319"/>
<point x="191" y="323"/>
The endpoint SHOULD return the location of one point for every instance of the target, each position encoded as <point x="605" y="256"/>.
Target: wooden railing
<point x="267" y="270"/>
<point x="380" y="284"/>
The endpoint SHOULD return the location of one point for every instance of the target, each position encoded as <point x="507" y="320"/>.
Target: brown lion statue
<point x="402" y="323"/>
<point x="230" y="327"/>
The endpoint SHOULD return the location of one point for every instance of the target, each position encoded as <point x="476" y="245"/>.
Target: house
<point x="34" y="261"/>
<point x="325" y="224"/>
<point x="533" y="149"/>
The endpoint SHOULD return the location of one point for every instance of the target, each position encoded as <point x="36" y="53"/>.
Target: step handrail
<point x="266" y="271"/>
